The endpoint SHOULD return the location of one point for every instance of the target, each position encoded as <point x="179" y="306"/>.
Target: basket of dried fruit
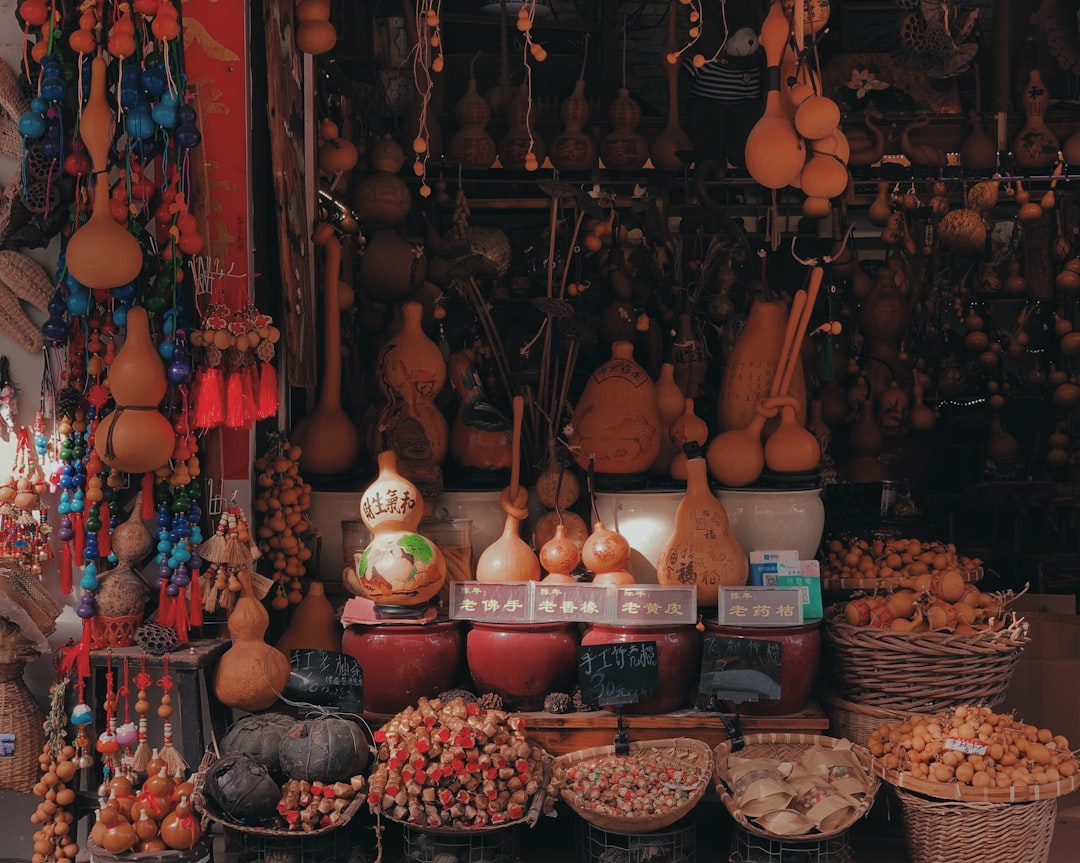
<point x="656" y="784"/>
<point x="454" y="767"/>
<point x="863" y="564"/>
<point x="901" y="651"/>
<point x="975" y="784"/>
<point x="795" y="786"/>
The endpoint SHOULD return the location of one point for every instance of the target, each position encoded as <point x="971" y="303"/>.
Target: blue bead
<point x="78" y="304"/>
<point x="39" y="105"/>
<point x="153" y="81"/>
<point x="164" y="115"/>
<point x="32" y="125"/>
<point x="120" y="315"/>
<point x="81" y="714"/>
<point x="140" y="123"/>
<point x="182" y="555"/>
<point x="63" y="508"/>
<point x="53" y="89"/>
<point x="164" y="546"/>
<point x="88" y="582"/>
<point x="123" y="292"/>
<point x="186" y="115"/>
<point x="166" y="349"/>
<point x="187" y="136"/>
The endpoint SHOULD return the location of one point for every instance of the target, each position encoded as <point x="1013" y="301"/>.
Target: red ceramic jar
<point x="522" y="662"/>
<point x="799" y="663"/>
<point x="678" y="652"/>
<point x="402" y="662"/>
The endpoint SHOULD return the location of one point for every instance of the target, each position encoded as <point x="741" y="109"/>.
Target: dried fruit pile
<point x="455" y="764"/>
<point x="632" y="785"/>
<point x="909" y="562"/>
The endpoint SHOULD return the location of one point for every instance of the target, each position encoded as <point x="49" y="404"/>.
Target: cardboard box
<point x="1043" y="690"/>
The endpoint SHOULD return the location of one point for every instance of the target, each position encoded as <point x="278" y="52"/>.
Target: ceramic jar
<point x="616" y="423"/>
<point x="801" y="654"/>
<point x="523" y="662"/>
<point x="678" y="652"/>
<point x="402" y="662"/>
<point x="775" y="518"/>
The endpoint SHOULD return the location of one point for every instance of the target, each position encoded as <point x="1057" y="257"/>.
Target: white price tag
<point x="965" y="745"/>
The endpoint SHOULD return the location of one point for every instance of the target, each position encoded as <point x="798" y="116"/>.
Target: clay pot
<point x="522" y="662"/>
<point x="616" y="421"/>
<point x="403" y="662"/>
<point x="678" y="652"/>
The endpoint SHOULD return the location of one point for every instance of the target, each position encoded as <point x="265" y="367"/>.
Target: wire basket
<point x="789" y="748"/>
<point x="338" y="846"/>
<point x="423" y="846"/>
<point x="856" y="722"/>
<point x="747" y="847"/>
<point x="940" y="831"/>
<point x="201" y="852"/>
<point x="659" y="756"/>
<point x="876" y="667"/>
<point x="676" y="844"/>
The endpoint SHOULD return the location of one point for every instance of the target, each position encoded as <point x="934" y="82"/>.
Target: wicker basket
<point x="854" y="721"/>
<point x="670" y="752"/>
<point x="940" y="831"/>
<point x="113" y="631"/>
<point x="201" y="853"/>
<point x="876" y="667"/>
<point x="787" y="747"/>
<point x="21" y="716"/>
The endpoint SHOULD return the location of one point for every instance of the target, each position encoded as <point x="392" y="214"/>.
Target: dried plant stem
<point x="491" y="332"/>
<point x="573" y="243"/>
<point x="568" y="373"/>
<point x="545" y="357"/>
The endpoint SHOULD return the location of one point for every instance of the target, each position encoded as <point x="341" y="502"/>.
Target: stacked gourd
<point x="281" y="506"/>
<point x="797" y="142"/>
<point x="156" y="818"/>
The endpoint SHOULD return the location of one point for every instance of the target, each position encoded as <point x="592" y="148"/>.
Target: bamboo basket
<point x="788" y="748"/>
<point x="876" y="667"/>
<point x="940" y="831"/>
<point x="855" y="721"/>
<point x="669" y="752"/>
<point x="22" y="716"/>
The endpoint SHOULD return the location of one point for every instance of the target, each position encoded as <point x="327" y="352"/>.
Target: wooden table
<point x="569" y="732"/>
<point x="196" y="712"/>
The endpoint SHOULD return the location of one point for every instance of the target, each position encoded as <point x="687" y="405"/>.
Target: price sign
<point x="760" y="606"/>
<point x="741" y="669"/>
<point x="652" y="604"/>
<point x="965" y="745"/>
<point x="571" y="602"/>
<point x="495" y="603"/>
<point x="326" y="679"/>
<point x="619" y="673"/>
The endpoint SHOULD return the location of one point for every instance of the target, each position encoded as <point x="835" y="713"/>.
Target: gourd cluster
<point x="157" y="817"/>
<point x="281" y="507"/>
<point x="947" y="606"/>
<point x="974" y="746"/>
<point x="54" y="839"/>
<point x="906" y="561"/>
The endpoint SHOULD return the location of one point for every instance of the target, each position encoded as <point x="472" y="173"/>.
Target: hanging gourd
<point x="471" y="144"/>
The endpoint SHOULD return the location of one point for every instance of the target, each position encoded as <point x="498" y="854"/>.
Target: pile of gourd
<point x="155" y="818"/>
<point x="54" y="839"/>
<point x="911" y="563"/>
<point x="947" y="605"/>
<point x="974" y="746"/>
<point x="282" y="773"/>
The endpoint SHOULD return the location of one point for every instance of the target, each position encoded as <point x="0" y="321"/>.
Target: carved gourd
<point x="624" y="148"/>
<point x="521" y="136"/>
<point x="471" y="144"/>
<point x="1035" y="146"/>
<point x="574" y="150"/>
<point x="136" y="437"/>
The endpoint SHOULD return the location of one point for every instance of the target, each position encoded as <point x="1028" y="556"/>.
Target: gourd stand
<point x="747" y="847"/>
<point x="676" y="843"/>
<point x="481" y="846"/>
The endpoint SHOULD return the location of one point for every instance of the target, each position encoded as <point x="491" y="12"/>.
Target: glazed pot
<point x="522" y="662"/>
<point x="775" y="518"/>
<point x="678" y="650"/>
<point x="799" y="663"/>
<point x="403" y="662"/>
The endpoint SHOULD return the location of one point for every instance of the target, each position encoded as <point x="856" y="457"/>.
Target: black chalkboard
<point x="740" y="669"/>
<point x="326" y="679"/>
<point x="622" y="673"/>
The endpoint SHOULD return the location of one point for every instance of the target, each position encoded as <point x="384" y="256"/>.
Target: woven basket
<point x="876" y="667"/>
<point x="21" y="715"/>
<point x="670" y="752"/>
<point x="200" y="853"/>
<point x="854" y="721"/>
<point x="113" y="631"/>
<point x="837" y="583"/>
<point x="953" y="832"/>
<point x="787" y="747"/>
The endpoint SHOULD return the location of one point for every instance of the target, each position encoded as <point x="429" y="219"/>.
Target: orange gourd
<point x="251" y="674"/>
<point x="671" y="140"/>
<point x="136" y="437"/>
<point x="607" y="554"/>
<point x="559" y="556"/>
<point x="181" y="829"/>
<point x="314" y="624"/>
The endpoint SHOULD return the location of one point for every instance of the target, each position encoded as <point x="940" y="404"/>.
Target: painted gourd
<point x="136" y="437"/>
<point x="251" y="674"/>
<point x="471" y="145"/>
<point x="574" y="150"/>
<point x="624" y="148"/>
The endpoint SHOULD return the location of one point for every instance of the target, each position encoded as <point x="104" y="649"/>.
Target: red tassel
<point x="234" y="401"/>
<point x="65" y="569"/>
<point x="78" y="655"/>
<point x="147" y="512"/>
<point x="195" y="612"/>
<point x="180" y="620"/>
<point x="80" y="537"/>
<point x="165" y="611"/>
<point x="104" y="538"/>
<point x="209" y="398"/>
<point x="268" y="391"/>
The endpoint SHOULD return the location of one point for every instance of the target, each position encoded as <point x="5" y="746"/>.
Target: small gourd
<point x="146" y="828"/>
<point x="251" y="674"/>
<point x="606" y="553"/>
<point x="120" y="837"/>
<point x="181" y="829"/>
<point x="559" y="556"/>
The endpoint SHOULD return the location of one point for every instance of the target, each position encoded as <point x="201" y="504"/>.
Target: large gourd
<point x="314" y="624"/>
<point x="136" y="437"/>
<point x="701" y="550"/>
<point x="251" y="674"/>
<point x="101" y="254"/>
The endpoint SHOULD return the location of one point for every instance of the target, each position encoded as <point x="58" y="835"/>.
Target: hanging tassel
<point x="80" y="537"/>
<point x="104" y="538"/>
<point x="78" y="655"/>
<point x="250" y="381"/>
<point x="234" y="401"/>
<point x="65" y="569"/>
<point x="268" y="391"/>
<point x="165" y="611"/>
<point x="141" y="758"/>
<point x="209" y="398"/>
<point x="147" y="498"/>
<point x="195" y="600"/>
<point x="174" y="761"/>
<point x="180" y="617"/>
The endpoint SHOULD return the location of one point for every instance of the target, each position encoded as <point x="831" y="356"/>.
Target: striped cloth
<point x="724" y="80"/>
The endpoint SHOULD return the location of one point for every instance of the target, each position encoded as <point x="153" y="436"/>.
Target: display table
<point x="560" y="733"/>
<point x="198" y="714"/>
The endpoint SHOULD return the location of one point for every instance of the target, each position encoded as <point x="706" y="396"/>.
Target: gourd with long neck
<point x="867" y="147"/>
<point x="327" y="436"/>
<point x="101" y="254"/>
<point x="672" y="139"/>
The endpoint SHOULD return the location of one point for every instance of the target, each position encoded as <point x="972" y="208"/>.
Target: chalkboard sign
<point x="740" y="669"/>
<point x="618" y="673"/>
<point x="326" y="679"/>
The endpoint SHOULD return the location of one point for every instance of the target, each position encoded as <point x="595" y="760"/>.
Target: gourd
<point x="181" y="829"/>
<point x="324" y="749"/>
<point x="314" y="624"/>
<point x="242" y="789"/>
<point x="471" y="145"/>
<point x="606" y="553"/>
<point x="251" y="673"/>
<point x="259" y="736"/>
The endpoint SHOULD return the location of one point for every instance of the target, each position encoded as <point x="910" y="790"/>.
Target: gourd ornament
<point x="181" y="829"/>
<point x="671" y="140"/>
<point x="122" y="591"/>
<point x="574" y="149"/>
<point x="606" y="553"/>
<point x="471" y="145"/>
<point x="101" y="254"/>
<point x="522" y="137"/>
<point x="251" y="674"/>
<point x="314" y="624"/>
<point x="136" y="437"/>
<point x="1035" y="146"/>
<point x="559" y="557"/>
<point x="624" y="148"/>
